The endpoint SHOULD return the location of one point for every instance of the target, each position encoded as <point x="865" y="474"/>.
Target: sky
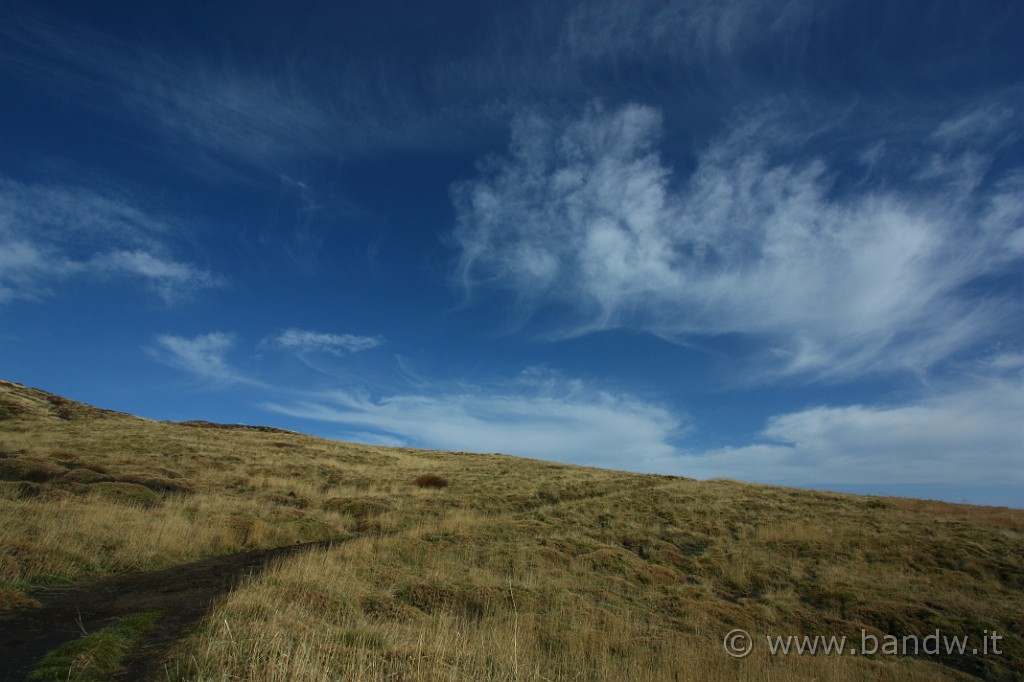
<point x="776" y="242"/>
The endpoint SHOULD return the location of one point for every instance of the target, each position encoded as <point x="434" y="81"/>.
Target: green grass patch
<point x="96" y="656"/>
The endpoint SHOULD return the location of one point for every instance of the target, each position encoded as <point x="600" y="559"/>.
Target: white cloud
<point x="22" y="266"/>
<point x="20" y="257"/>
<point x="967" y="436"/>
<point x="169" y="278"/>
<point x="983" y="122"/>
<point x="300" y="340"/>
<point x="1003" y="362"/>
<point x="202" y="355"/>
<point x="551" y="418"/>
<point x="696" y="31"/>
<point x="50" y="233"/>
<point x="75" y="215"/>
<point x="371" y="438"/>
<point x="585" y="216"/>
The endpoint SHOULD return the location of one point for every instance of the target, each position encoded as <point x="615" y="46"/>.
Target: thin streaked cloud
<point x="50" y="234"/>
<point x="301" y="340"/>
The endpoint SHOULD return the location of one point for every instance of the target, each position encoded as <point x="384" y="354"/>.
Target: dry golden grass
<point x="517" y="570"/>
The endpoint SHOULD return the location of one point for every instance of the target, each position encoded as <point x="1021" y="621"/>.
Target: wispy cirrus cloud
<point x="24" y="266"/>
<point x="235" y="118"/>
<point x="242" y="118"/>
<point x="301" y="340"/>
<point x="229" y="118"/>
<point x="554" y="418"/>
<point x="981" y="123"/>
<point x="52" y="233"/>
<point x="539" y="413"/>
<point x="203" y="355"/>
<point x="685" y="32"/>
<point x="583" y="217"/>
<point x="171" y="279"/>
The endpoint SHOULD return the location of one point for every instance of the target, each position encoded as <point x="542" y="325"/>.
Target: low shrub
<point x="431" y="481"/>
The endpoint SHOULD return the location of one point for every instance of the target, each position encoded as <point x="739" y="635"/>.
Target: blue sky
<point x="779" y="242"/>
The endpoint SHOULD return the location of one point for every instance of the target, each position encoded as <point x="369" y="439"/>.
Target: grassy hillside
<point x="515" y="570"/>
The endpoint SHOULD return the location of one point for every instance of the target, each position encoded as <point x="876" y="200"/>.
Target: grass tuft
<point x="431" y="481"/>
<point x="95" y="656"/>
<point x="127" y="493"/>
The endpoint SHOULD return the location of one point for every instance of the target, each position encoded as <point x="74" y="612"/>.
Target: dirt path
<point x="182" y="594"/>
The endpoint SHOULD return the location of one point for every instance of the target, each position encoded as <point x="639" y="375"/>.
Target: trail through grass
<point x="95" y="656"/>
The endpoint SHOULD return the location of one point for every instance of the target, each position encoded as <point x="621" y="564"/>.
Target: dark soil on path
<point x="182" y="594"/>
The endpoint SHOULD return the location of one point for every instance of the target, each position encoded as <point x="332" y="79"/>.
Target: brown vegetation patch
<point x="568" y="547"/>
<point x="31" y="469"/>
<point x="381" y="607"/>
<point x="248" y="529"/>
<point x="159" y="484"/>
<point x="359" y="507"/>
<point x="613" y="561"/>
<point x="84" y="476"/>
<point x="23" y="489"/>
<point x="127" y="493"/>
<point x="10" y="409"/>
<point x="469" y="602"/>
<point x="61" y="407"/>
<point x="290" y="499"/>
<point x="431" y="481"/>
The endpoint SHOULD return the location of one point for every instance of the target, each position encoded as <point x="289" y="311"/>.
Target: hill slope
<point x="515" y="570"/>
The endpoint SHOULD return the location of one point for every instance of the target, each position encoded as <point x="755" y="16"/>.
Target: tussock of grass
<point x="431" y="481"/>
<point x="84" y="476"/>
<point x="520" y="570"/>
<point x="95" y="656"/>
<point x="31" y="469"/>
<point x="131" y="494"/>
